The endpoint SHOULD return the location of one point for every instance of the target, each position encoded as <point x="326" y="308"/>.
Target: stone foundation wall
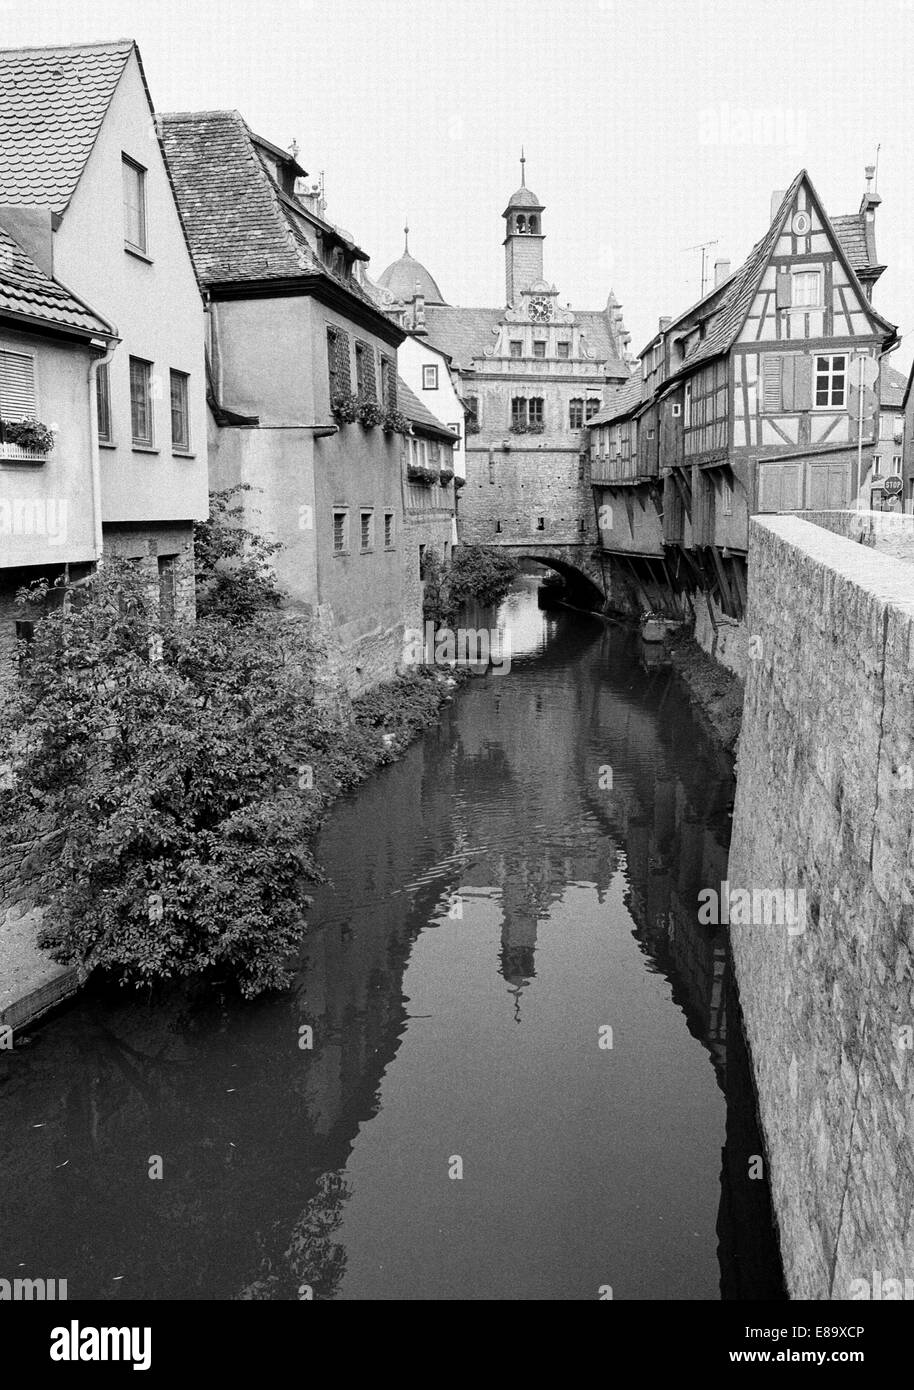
<point x="723" y="638"/>
<point x="825" y="808"/>
<point x="153" y="543"/>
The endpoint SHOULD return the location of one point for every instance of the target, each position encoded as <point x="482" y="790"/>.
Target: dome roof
<point x="408" y="277"/>
<point x="525" y="198"/>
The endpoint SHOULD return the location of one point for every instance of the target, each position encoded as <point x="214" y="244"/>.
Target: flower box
<point x="27" y="439"/>
<point x="345" y="409"/>
<point x="445" y="476"/>
<point x="418" y="473"/>
<point x="370" y="414"/>
<point x="395" y="422"/>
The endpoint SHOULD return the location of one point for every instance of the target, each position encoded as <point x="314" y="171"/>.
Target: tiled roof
<point x="421" y="416"/>
<point x="891" y="386"/>
<point x="240" y="224"/>
<point x="26" y="290"/>
<point x="731" y="314"/>
<point x="466" y="333"/>
<point x="52" y="103"/>
<point x="851" y="232"/>
<point x="624" y="400"/>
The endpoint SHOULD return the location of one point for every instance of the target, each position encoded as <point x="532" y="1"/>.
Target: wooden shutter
<point x="783" y="297"/>
<point x="772" y="390"/>
<point x="802" y="383"/>
<point x="17" y="386"/>
<point x="788" y="376"/>
<point x="780" y="487"/>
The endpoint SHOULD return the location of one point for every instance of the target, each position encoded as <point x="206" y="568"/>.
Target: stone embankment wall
<point x="825" y="808"/>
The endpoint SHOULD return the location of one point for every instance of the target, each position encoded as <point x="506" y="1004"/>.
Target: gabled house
<point x="763" y="395"/>
<point x="85" y="192"/>
<point x="52" y="345"/>
<point x="429" y="484"/>
<point x="889" y="449"/>
<point x="302" y="385"/>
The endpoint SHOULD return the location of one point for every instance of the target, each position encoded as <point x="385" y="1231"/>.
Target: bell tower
<point x="523" y="240"/>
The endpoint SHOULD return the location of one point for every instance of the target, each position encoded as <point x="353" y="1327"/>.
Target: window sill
<point x="107" y="444"/>
<point x="144" y="449"/>
<point x="367" y="550"/>
<point x="341" y="554"/>
<point x="137" y="253"/>
<point x="183" y="454"/>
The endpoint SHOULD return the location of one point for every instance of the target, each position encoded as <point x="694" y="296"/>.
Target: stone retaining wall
<point x="825" y="807"/>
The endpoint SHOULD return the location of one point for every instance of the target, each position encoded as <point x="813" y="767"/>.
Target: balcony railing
<point x="14" y="453"/>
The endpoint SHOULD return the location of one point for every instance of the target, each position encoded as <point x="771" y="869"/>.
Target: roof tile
<point x="26" y="290"/>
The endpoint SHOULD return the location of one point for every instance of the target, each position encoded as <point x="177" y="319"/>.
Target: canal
<point x="511" y="1067"/>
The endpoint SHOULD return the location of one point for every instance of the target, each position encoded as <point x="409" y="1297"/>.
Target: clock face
<point x="540" y="310"/>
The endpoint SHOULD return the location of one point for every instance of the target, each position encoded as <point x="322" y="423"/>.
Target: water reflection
<point x="492" y="906"/>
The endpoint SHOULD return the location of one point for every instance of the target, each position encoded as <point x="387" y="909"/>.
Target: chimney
<point x="777" y="199"/>
<point x="665" y="323"/>
<point x="33" y="229"/>
<point x="871" y="198"/>
<point x="721" y="272"/>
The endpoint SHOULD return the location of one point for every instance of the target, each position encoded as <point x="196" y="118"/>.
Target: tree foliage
<point x="176" y="774"/>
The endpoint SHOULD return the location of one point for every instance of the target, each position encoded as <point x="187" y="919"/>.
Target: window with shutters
<point x="366" y="530"/>
<point x="338" y="362"/>
<point x="340" y="532"/>
<point x="365" y="384"/>
<point x="786" y="382"/>
<point x="806" y="289"/>
<point x="831" y="382"/>
<point x="388" y="382"/>
<point x="388" y="530"/>
<point x="17" y="386"/>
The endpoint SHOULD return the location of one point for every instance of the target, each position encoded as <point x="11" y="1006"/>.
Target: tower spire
<point x="523" y="161"/>
<point x="406" y="238"/>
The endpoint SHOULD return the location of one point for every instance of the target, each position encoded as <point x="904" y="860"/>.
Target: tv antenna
<point x="703" y="247"/>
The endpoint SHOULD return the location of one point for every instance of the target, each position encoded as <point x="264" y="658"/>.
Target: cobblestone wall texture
<point x="824" y="804"/>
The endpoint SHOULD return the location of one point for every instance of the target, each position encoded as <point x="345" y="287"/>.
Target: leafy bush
<point x="234" y="575"/>
<point x="177" y="775"/>
<point x="481" y="574"/>
<point x="370" y="413"/>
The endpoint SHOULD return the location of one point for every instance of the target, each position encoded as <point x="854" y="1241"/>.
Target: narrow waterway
<point x="516" y="891"/>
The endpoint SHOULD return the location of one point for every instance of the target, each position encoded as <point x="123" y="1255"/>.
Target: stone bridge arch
<point x="579" y="565"/>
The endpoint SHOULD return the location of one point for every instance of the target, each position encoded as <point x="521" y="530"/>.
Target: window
<point x="491" y="470"/>
<point x="593" y="405"/>
<point x="338" y="362"/>
<point x="103" y="403"/>
<point x="430" y="378"/>
<point x="366" y="530"/>
<point x="518" y="412"/>
<point x="540" y="523"/>
<point x="455" y="426"/>
<point x="388" y="530"/>
<point x="516" y="348"/>
<point x="726" y="497"/>
<point x="896" y="464"/>
<point x="498" y="528"/>
<point x="141" y="402"/>
<point x="365" y="385"/>
<point x="539" y="350"/>
<point x="563" y="350"/>
<point x="167" y="587"/>
<point x="388" y="382"/>
<point x="340" y="532"/>
<point x="180" y="419"/>
<point x="687" y="405"/>
<point x="877" y="466"/>
<point x="806" y="289"/>
<point x="830" y="381"/>
<point x="134" y="204"/>
<point x="536" y="412"/>
<point x="17" y="386"/>
<point x="472" y="404"/>
<point x="575" y="413"/>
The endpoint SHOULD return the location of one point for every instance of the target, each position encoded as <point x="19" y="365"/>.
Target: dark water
<point x="492" y="909"/>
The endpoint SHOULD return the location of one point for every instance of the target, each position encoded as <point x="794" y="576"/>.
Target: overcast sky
<point x="649" y="127"/>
